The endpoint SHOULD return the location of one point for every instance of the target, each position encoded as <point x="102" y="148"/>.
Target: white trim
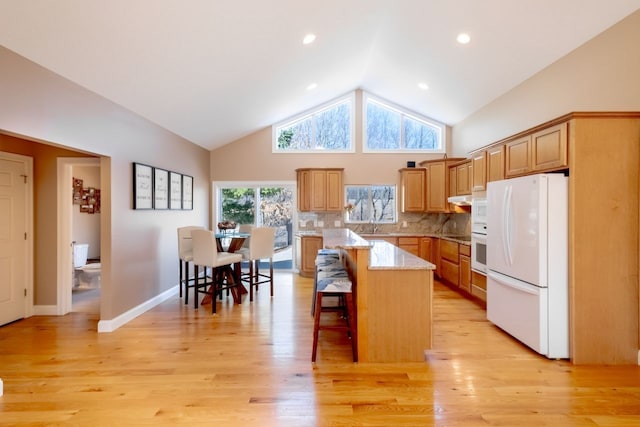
<point x="64" y="251"/>
<point x="28" y="162"/>
<point x="1" y="387"/>
<point x="113" y="324"/>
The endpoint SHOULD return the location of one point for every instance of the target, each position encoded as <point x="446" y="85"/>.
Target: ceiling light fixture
<point x="312" y="86"/>
<point x="423" y="86"/>
<point x="463" y="38"/>
<point x="309" y="38"/>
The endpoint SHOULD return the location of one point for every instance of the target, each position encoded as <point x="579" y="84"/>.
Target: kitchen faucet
<point x="374" y="226"/>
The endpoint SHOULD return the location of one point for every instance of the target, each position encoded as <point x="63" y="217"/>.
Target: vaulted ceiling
<point x="213" y="71"/>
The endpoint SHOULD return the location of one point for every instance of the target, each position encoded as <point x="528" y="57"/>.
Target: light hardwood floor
<point x="250" y="366"/>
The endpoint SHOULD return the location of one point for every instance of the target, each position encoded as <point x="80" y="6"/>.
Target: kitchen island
<point x="393" y="293"/>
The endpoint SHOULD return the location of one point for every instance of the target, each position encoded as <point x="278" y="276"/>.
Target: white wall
<point x="601" y="75"/>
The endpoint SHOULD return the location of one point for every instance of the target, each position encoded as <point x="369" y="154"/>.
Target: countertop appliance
<point x="527" y="269"/>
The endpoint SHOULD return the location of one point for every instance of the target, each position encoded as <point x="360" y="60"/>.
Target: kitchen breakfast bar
<point x="393" y="293"/>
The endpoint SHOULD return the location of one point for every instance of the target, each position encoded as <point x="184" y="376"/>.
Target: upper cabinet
<point x="549" y="148"/>
<point x="320" y="189"/>
<point x="518" y="156"/>
<point x="438" y="183"/>
<point x="479" y="168"/>
<point x="412" y="184"/>
<point x="495" y="163"/>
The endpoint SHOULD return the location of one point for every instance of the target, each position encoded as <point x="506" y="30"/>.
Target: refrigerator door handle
<point x="507" y="225"/>
<point x="512" y="283"/>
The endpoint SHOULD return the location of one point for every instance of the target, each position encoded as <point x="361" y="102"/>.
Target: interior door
<point x="13" y="239"/>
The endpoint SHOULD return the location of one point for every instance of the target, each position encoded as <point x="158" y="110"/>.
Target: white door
<point x="13" y="239"/>
<point x="516" y="229"/>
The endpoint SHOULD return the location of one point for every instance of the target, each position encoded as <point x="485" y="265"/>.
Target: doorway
<point x="270" y="204"/>
<point x="76" y="223"/>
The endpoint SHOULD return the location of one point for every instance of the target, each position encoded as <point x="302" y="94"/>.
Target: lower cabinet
<point x="306" y="252"/>
<point x="410" y="244"/>
<point x="479" y="285"/>
<point x="465" y="268"/>
<point x="450" y="270"/>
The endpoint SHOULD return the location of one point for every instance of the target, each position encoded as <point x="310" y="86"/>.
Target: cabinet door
<point x="437" y="189"/>
<point x="304" y="191"/>
<point x="449" y="250"/>
<point x="453" y="181"/>
<point x="318" y="190"/>
<point x="426" y="249"/>
<point x="413" y="189"/>
<point x="463" y="179"/>
<point x="465" y="273"/>
<point x="518" y="156"/>
<point x="334" y="191"/>
<point x="479" y="168"/>
<point x="310" y="247"/>
<point x="449" y="271"/>
<point x="495" y="163"/>
<point x="549" y="148"/>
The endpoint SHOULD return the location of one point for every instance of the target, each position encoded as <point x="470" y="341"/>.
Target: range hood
<point x="460" y="200"/>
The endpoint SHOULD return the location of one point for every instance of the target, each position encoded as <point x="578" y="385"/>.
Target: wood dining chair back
<point x="206" y="255"/>
<point x="185" y="255"/>
<point x="261" y="247"/>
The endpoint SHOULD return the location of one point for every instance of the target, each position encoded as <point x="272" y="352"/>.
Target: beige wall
<point x="139" y="249"/>
<point x="250" y="158"/>
<point x="601" y="75"/>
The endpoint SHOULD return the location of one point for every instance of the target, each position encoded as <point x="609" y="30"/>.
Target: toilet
<point x="84" y="275"/>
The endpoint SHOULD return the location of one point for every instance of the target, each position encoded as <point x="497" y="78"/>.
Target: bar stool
<point x="185" y="255"/>
<point x="336" y="284"/>
<point x="326" y="260"/>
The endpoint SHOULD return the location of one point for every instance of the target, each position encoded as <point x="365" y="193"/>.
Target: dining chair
<point x="206" y="255"/>
<point x="261" y="247"/>
<point x="185" y="255"/>
<point x="245" y="228"/>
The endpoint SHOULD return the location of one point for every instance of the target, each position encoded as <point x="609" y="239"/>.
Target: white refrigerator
<point x="527" y="277"/>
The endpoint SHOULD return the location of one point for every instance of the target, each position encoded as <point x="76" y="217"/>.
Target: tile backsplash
<point x="445" y="223"/>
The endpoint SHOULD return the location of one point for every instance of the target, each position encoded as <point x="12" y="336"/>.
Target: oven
<point x="479" y="252"/>
<point x="479" y="235"/>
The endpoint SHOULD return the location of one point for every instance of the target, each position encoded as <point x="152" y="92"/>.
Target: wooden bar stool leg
<point x="316" y="325"/>
<point x="351" y="323"/>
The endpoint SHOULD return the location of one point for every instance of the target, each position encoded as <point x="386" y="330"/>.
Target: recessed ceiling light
<point x="423" y="86"/>
<point x="309" y="38"/>
<point x="312" y="86"/>
<point x="463" y="38"/>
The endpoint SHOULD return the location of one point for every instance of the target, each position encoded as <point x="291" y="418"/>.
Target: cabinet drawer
<point x="465" y="250"/>
<point x="450" y="271"/>
<point x="449" y="250"/>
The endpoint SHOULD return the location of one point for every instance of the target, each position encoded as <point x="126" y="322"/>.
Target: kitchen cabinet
<point x="549" y="148"/>
<point x="307" y="248"/>
<point x="320" y="190"/>
<point x="410" y="244"/>
<point x="479" y="169"/>
<point x="438" y="182"/>
<point x="449" y="261"/>
<point x="464" y="175"/>
<point x="518" y="156"/>
<point x="479" y="285"/>
<point x="495" y="163"/>
<point x="464" y="264"/>
<point x="413" y="189"/>
<point x="429" y="251"/>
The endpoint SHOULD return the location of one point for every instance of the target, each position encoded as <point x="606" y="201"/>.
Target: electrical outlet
<point x="302" y="223"/>
<point x="336" y="223"/>
<point x="320" y="224"/>
<point x="404" y="224"/>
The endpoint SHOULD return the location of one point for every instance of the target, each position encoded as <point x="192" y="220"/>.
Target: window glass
<point x="375" y="203"/>
<point x="329" y="128"/>
<point x="392" y="129"/>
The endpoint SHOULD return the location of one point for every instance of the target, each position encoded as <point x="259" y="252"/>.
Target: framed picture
<point x="160" y="188"/>
<point x="175" y="190"/>
<point x="142" y="186"/>
<point x="187" y="192"/>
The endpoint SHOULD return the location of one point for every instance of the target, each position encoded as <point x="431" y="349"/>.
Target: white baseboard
<point x="113" y="324"/>
<point x="1" y="387"/>
<point x="45" y="310"/>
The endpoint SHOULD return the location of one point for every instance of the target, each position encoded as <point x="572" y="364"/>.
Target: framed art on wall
<point x="142" y="186"/>
<point x="175" y="190"/>
<point x="187" y="192"/>
<point x="160" y="188"/>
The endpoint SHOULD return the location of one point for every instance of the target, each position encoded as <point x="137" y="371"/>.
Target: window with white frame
<point x="371" y="203"/>
<point x="327" y="129"/>
<point x="390" y="128"/>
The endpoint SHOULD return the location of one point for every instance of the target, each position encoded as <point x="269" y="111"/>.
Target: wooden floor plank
<point x="249" y="365"/>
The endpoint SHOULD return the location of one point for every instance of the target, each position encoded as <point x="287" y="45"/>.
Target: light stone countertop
<point x="385" y="256"/>
<point x="382" y="254"/>
<point x="462" y="239"/>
